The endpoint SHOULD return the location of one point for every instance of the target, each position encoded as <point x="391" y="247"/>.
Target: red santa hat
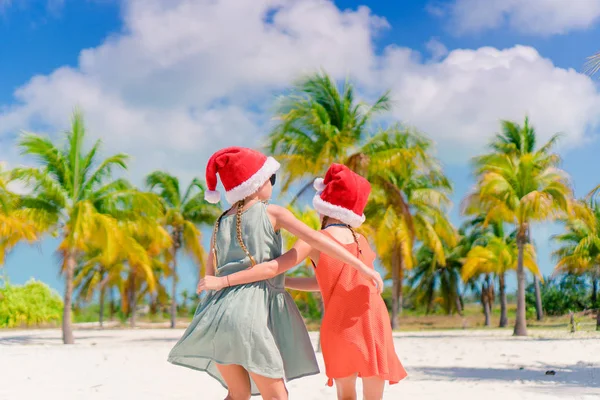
<point x="242" y="171"/>
<point x="342" y="195"/>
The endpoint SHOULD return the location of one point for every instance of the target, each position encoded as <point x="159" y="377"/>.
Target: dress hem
<point x="286" y="379"/>
<point x="385" y="377"/>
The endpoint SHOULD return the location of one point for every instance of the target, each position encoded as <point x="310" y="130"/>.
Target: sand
<point x="131" y="364"/>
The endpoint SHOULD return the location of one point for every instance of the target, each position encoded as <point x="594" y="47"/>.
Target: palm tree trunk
<point x="539" y="310"/>
<point x="67" y="326"/>
<point x="174" y="287"/>
<point x="429" y="305"/>
<point x="132" y="300"/>
<point x="400" y="285"/>
<point x="111" y="304"/>
<point x="397" y="278"/>
<point x="594" y="292"/>
<point x="177" y="238"/>
<point x="486" y="311"/>
<point x="459" y="308"/>
<point x="395" y="284"/>
<point x="521" y="322"/>
<point x="485" y="300"/>
<point x="598" y="319"/>
<point x="101" y="316"/>
<point x="153" y="304"/>
<point x="503" y="302"/>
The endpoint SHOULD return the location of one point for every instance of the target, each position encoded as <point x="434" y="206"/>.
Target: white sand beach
<point x="466" y="365"/>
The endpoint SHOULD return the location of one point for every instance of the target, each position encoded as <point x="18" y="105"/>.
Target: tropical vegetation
<point x="120" y="244"/>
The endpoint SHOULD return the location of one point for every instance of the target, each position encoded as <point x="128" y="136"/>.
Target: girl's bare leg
<point x="373" y="388"/>
<point x="237" y="380"/>
<point x="346" y="388"/>
<point x="270" y="389"/>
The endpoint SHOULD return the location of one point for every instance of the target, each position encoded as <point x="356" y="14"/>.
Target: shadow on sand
<point x="578" y="375"/>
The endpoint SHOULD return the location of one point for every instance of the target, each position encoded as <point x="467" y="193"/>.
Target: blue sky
<point x="170" y="81"/>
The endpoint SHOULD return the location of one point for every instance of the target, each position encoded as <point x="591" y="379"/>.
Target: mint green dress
<point x="256" y="325"/>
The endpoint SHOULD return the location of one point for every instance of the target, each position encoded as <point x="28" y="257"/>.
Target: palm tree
<point x="408" y="203"/>
<point x="140" y="241"/>
<point x="319" y="125"/>
<point x="498" y="256"/>
<point x="519" y="187"/>
<point x="579" y="246"/>
<point x="68" y="187"/>
<point x="184" y="212"/>
<point x="143" y="274"/>
<point x="17" y="223"/>
<point x="429" y="278"/>
<point x="592" y="65"/>
<point x="185" y="296"/>
<point x="519" y="141"/>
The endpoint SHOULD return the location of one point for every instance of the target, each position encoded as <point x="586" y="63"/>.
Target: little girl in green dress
<point x="251" y="337"/>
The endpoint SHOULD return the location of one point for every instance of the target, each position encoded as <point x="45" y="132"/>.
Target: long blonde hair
<point x="238" y="226"/>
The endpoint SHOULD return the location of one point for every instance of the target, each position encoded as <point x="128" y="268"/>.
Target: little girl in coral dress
<point x="356" y="335"/>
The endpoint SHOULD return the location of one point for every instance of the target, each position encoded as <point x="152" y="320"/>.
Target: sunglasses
<point x="273" y="179"/>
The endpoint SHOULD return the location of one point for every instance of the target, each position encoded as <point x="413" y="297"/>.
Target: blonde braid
<point x="238" y="227"/>
<point x="355" y="236"/>
<point x="214" y="247"/>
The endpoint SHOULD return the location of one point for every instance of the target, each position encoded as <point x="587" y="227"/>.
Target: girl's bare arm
<point x="284" y="219"/>
<point x="259" y="272"/>
<point x="210" y="267"/>
<point x="308" y="284"/>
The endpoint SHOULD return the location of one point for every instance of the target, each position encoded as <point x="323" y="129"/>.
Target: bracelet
<point x="228" y="284"/>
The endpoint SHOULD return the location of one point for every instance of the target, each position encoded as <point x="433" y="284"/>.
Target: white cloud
<point x="187" y="77"/>
<point x="538" y="17"/>
<point x="460" y="100"/>
<point x="437" y="49"/>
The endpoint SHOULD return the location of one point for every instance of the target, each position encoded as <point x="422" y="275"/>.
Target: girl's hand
<point x="376" y="278"/>
<point x="211" y="283"/>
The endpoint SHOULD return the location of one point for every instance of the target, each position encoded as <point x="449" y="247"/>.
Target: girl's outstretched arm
<point x="259" y="272"/>
<point x="210" y="267"/>
<point x="308" y="284"/>
<point x="284" y="219"/>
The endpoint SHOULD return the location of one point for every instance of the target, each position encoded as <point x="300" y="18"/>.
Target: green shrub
<point x="34" y="303"/>
<point x="530" y="312"/>
<point x="89" y="313"/>
<point x="561" y="295"/>
<point x="309" y="305"/>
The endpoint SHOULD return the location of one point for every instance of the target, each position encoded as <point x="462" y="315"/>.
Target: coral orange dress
<point x="356" y="334"/>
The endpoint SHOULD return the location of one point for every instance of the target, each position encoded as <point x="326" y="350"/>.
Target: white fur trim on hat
<point x="212" y="196"/>
<point x="337" y="212"/>
<point x="319" y="184"/>
<point x="250" y="186"/>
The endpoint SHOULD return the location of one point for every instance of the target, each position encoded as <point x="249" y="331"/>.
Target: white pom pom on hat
<point x="212" y="196"/>
<point x="319" y="184"/>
